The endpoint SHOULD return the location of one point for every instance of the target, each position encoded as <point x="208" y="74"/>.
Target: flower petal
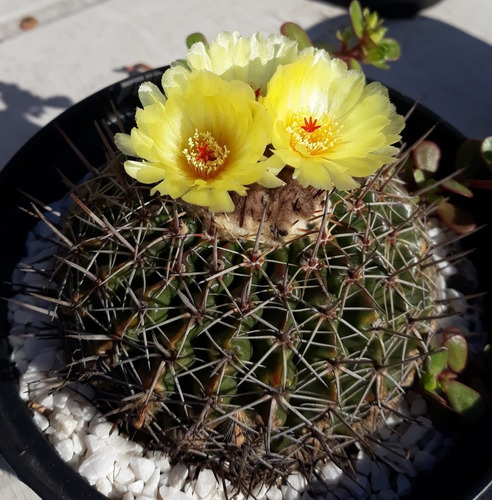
<point x="143" y="172"/>
<point x="124" y="143"/>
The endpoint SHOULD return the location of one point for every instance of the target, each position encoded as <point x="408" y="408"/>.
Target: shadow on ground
<point x="18" y="109"/>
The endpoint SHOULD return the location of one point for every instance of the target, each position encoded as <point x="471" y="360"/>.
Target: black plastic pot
<point x="391" y="8"/>
<point x="35" y="170"/>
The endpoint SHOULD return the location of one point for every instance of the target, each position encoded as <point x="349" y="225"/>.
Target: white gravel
<point x="122" y="469"/>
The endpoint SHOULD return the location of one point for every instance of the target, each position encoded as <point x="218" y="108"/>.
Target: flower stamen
<point x="313" y="136"/>
<point x="205" y="155"/>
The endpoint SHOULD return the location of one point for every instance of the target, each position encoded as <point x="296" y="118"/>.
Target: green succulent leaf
<point x="354" y="64"/>
<point x="295" y="32"/>
<point x="419" y="177"/>
<point x="376" y="57"/>
<point x="195" y="38"/>
<point x="377" y="36"/>
<point x="458" y="188"/>
<point x="457" y="347"/>
<point x="464" y="399"/>
<point x="437" y="361"/>
<point x="357" y="18"/>
<point x="429" y="382"/>
<point x="391" y="49"/>
<point x="344" y="36"/>
<point x="371" y="19"/>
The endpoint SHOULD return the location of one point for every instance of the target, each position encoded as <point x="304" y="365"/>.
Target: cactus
<point x="256" y="342"/>
<point x="264" y="311"/>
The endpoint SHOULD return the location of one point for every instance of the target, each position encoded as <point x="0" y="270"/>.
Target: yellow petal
<point x="149" y="93"/>
<point x="143" y="172"/>
<point x="124" y="143"/>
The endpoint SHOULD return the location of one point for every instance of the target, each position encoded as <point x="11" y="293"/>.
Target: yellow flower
<point x="233" y="57"/>
<point x="201" y="142"/>
<point x="328" y="124"/>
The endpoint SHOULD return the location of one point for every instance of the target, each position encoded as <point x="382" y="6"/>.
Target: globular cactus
<point x="269" y="307"/>
<point x="259" y="341"/>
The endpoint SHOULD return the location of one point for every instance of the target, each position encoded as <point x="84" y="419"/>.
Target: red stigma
<point x="310" y="125"/>
<point x="205" y="154"/>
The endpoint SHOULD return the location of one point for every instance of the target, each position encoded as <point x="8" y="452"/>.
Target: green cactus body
<point x="237" y="339"/>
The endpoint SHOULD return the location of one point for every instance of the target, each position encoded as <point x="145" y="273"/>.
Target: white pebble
<point x="161" y="461"/>
<point x="363" y="463"/>
<point x="128" y="496"/>
<point x="379" y="477"/>
<point x="119" y="489"/>
<point x="99" y="464"/>
<point x="259" y="493"/>
<point x="101" y="429"/>
<point x="65" y="449"/>
<point x="41" y="421"/>
<point x="413" y="435"/>
<point x="206" y="483"/>
<point x="124" y="444"/>
<point x="76" y="407"/>
<point x="178" y="475"/>
<point x="136" y="487"/>
<point x="173" y="493"/>
<point x="297" y="482"/>
<point x="289" y="493"/>
<point x="60" y="399"/>
<point x="152" y="484"/>
<point x="44" y="360"/>
<point x="357" y="486"/>
<point x="123" y="461"/>
<point x="331" y="473"/>
<point x="46" y="401"/>
<point x="63" y="423"/>
<point x="274" y="494"/>
<point x="104" y="486"/>
<point x="124" y="476"/>
<point x="88" y="413"/>
<point x="78" y="444"/>
<point x="142" y="467"/>
<point x="93" y="443"/>
<point x="33" y="345"/>
<point x="403" y="485"/>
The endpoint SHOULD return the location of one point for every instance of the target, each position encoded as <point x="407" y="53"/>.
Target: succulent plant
<point x="261" y="341"/>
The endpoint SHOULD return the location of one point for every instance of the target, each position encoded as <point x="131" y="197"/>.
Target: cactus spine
<point x="258" y="342"/>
